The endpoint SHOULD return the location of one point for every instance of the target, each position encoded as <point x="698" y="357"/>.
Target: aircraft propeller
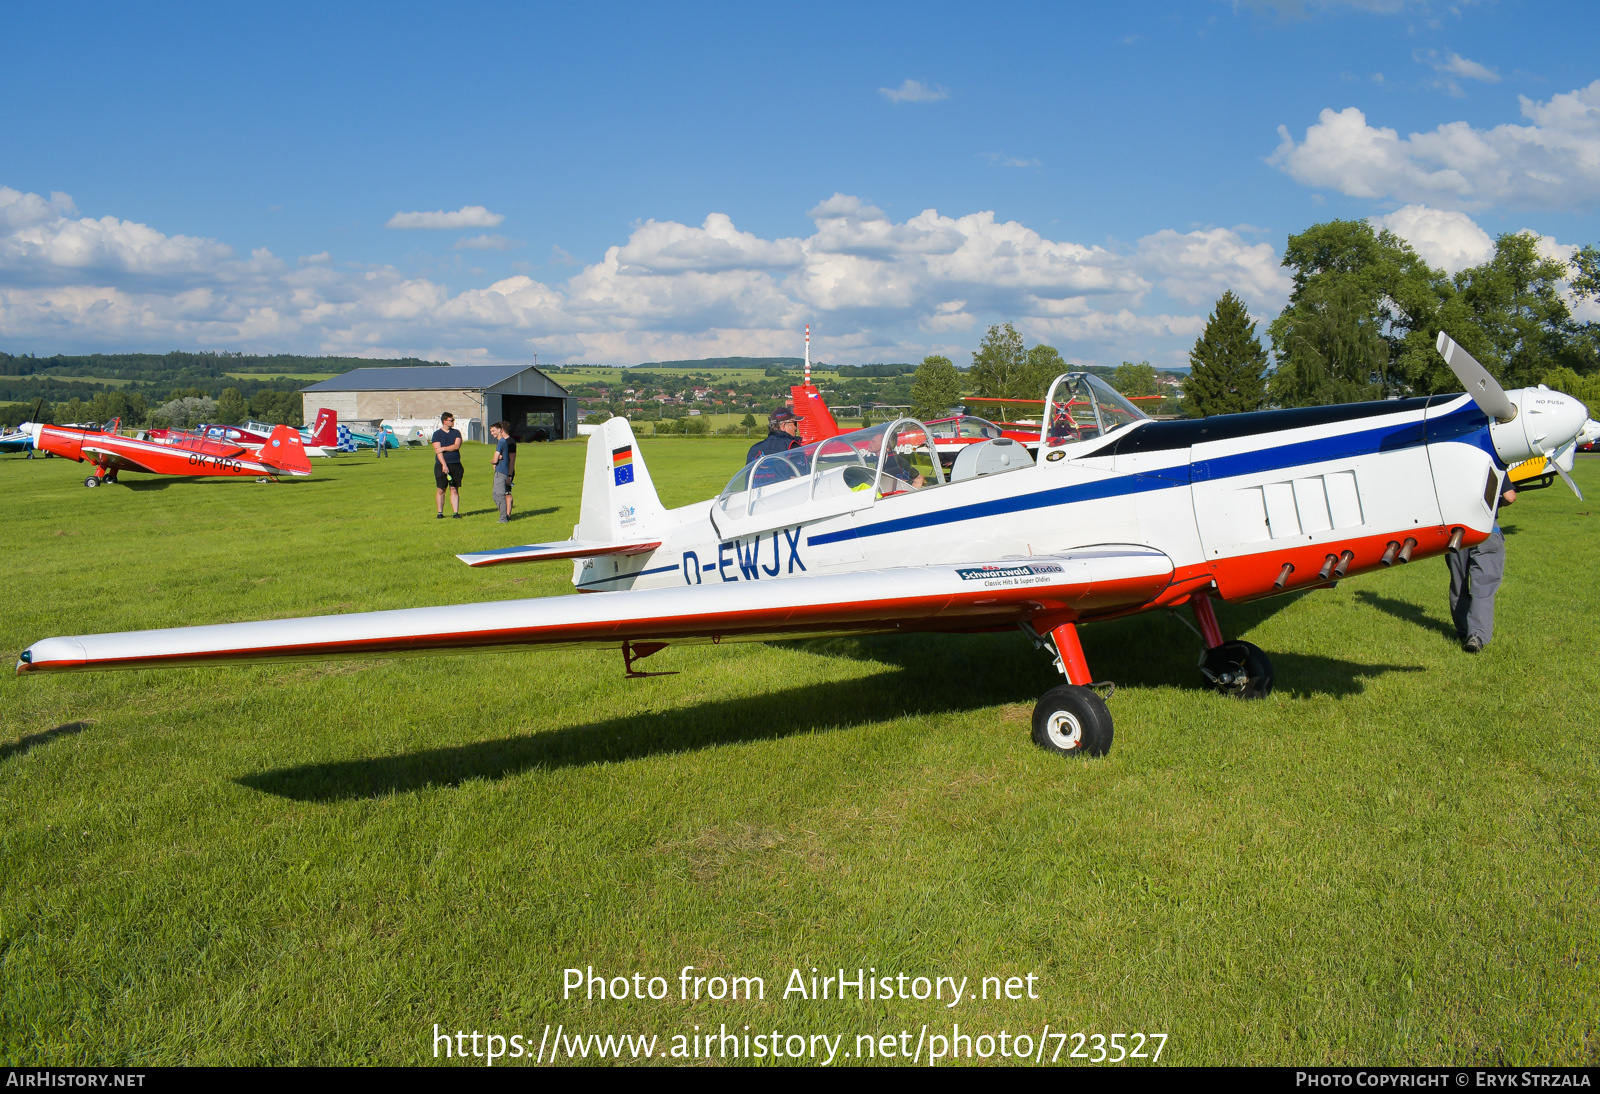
<point x="1484" y="389"/>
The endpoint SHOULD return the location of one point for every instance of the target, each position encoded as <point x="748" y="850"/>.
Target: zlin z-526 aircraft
<point x="178" y="454"/>
<point x="863" y="532"/>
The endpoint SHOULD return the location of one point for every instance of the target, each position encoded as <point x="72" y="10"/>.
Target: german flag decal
<point x="622" y="464"/>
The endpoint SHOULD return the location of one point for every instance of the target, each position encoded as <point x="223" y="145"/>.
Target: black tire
<point x="91" y="481"/>
<point x="1072" y="721"/>
<point x="1240" y="669"/>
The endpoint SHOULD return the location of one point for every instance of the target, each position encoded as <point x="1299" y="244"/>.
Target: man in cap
<point x="783" y="433"/>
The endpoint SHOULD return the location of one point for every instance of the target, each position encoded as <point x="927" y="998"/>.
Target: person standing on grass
<point x="505" y="466"/>
<point x="447" y="465"/>
<point x="1475" y="576"/>
<point x="783" y="433"/>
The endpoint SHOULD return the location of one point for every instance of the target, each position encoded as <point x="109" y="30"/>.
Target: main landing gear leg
<point x="1071" y="719"/>
<point x="1240" y="669"/>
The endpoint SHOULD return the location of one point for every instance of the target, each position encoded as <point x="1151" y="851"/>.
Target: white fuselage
<point x="1230" y="498"/>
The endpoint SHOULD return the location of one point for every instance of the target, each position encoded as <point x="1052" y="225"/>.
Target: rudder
<point x="285" y="451"/>
<point x="325" y="434"/>
<point x="619" y="499"/>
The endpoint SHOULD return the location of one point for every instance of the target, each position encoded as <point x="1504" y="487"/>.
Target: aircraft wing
<point x="117" y="459"/>
<point x="978" y="596"/>
<point x="569" y="548"/>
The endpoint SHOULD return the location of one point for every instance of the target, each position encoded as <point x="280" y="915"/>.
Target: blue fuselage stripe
<point x="1468" y="425"/>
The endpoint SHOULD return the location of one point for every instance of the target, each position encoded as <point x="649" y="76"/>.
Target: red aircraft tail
<point x="816" y="420"/>
<point x="285" y="451"/>
<point x="326" y="432"/>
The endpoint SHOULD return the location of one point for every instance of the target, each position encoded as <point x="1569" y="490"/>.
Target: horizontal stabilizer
<point x="571" y="548"/>
<point x="1043" y="590"/>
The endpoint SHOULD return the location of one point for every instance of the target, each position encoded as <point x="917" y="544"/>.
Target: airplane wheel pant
<point x="1072" y="721"/>
<point x="1475" y="574"/>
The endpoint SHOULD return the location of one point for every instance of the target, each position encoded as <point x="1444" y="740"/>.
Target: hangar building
<point x="478" y="395"/>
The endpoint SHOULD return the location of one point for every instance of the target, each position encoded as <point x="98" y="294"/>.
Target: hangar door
<point x="534" y="417"/>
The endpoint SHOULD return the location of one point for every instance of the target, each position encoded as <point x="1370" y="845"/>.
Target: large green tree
<point x="1514" y="301"/>
<point x="1226" y="363"/>
<point x="1371" y="281"/>
<point x="1136" y="379"/>
<point x="935" y="388"/>
<point x="231" y="407"/>
<point x="1044" y="365"/>
<point x="1000" y="365"/>
<point x="1330" y="349"/>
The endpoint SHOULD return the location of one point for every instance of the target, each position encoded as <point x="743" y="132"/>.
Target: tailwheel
<point x="1239" y="669"/>
<point x="1071" y="720"/>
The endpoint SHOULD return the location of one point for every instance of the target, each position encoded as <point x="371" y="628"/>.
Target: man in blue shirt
<point x="783" y="433"/>
<point x="447" y="465"/>
<point x="505" y="466"/>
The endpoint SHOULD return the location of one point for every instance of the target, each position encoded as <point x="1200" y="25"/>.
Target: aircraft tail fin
<point x="816" y="420"/>
<point x="619" y="500"/>
<point x="325" y="434"/>
<point x="285" y="451"/>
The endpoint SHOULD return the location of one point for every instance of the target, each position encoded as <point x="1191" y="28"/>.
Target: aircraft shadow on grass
<point x="927" y="675"/>
<point x="140" y="485"/>
<point x="1408" y="613"/>
<point x="34" y="740"/>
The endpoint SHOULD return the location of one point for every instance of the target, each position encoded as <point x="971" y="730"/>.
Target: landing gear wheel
<point x="1072" y="721"/>
<point x="91" y="481"/>
<point x="1239" y="669"/>
<point x="111" y="477"/>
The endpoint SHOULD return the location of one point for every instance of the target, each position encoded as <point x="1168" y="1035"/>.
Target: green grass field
<point x="1393" y="859"/>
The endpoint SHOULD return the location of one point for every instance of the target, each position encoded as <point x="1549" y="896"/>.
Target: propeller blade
<point x="1568" y="479"/>
<point x="1484" y="389"/>
<point x="1550" y="462"/>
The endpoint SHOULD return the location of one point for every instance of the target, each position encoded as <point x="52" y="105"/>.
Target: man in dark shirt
<point x="1475" y="576"/>
<point x="505" y="466"/>
<point x="783" y="433"/>
<point x="447" y="465"/>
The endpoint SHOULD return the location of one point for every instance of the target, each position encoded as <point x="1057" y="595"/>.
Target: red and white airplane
<point x="181" y="454"/>
<point x="1127" y="515"/>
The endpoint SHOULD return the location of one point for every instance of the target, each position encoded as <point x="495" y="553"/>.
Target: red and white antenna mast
<point x="808" y="355"/>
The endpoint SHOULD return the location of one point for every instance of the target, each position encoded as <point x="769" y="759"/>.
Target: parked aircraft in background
<point x="17" y="440"/>
<point x="1119" y="516"/>
<point x="185" y="454"/>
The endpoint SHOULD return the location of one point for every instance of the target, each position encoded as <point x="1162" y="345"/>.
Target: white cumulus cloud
<point x="1449" y="240"/>
<point x="1553" y="162"/>
<point x="468" y="216"/>
<point x="914" y="91"/>
<point x="876" y="288"/>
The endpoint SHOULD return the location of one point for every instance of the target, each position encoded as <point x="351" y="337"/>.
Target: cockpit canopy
<point x="1081" y="407"/>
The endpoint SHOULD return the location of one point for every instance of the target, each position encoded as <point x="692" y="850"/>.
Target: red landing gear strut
<point x="1070" y="719"/>
<point x="1240" y="669"/>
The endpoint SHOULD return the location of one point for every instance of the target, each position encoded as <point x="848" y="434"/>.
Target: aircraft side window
<point x="909" y="461"/>
<point x="847" y="462"/>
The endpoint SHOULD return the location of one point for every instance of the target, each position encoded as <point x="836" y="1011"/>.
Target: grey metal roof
<point x="427" y="378"/>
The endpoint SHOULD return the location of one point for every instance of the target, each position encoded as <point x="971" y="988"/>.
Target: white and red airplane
<point x="1125" y="515"/>
<point x="182" y="454"/>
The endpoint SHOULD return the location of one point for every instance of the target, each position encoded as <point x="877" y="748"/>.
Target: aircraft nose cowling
<point x="1545" y="421"/>
<point x="37" y="429"/>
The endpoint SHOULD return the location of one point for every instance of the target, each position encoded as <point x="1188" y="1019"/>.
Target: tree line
<point x="180" y="408"/>
<point x="1365" y="312"/>
<point x="1360" y="324"/>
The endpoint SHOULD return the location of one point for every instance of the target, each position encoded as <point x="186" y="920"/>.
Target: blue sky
<point x="225" y="178"/>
